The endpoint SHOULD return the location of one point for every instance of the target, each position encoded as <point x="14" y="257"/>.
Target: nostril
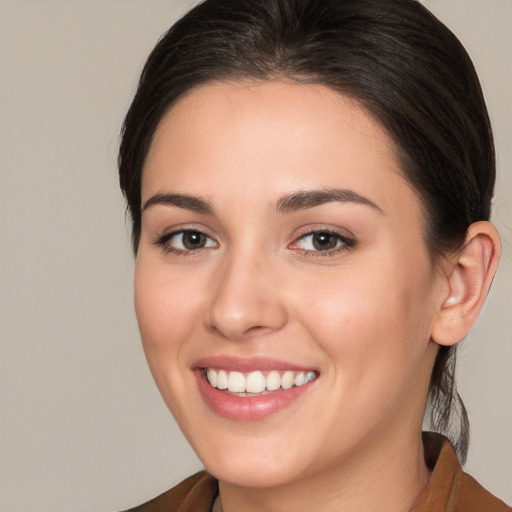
<point x="256" y="328"/>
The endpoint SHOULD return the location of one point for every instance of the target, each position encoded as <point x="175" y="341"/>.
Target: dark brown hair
<point x="395" y="58"/>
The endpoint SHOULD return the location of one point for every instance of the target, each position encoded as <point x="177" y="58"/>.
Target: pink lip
<point x="251" y="364"/>
<point x="247" y="408"/>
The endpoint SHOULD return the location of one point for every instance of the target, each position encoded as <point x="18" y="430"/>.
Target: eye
<point x="185" y="241"/>
<point x="323" y="241"/>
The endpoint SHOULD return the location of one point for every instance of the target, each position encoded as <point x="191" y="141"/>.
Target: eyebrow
<point x="289" y="203"/>
<point x="181" y="201"/>
<point x="310" y="198"/>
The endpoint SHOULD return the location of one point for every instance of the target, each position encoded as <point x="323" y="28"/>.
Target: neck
<point x="389" y="476"/>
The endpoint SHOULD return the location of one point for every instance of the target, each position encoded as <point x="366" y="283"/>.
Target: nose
<point x="246" y="299"/>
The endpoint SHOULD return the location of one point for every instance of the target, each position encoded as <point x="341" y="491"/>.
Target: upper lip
<point x="249" y="364"/>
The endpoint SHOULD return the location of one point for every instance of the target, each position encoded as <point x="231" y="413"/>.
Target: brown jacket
<point x="448" y="490"/>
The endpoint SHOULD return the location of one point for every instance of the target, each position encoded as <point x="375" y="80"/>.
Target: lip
<point x="245" y="365"/>
<point x="247" y="408"/>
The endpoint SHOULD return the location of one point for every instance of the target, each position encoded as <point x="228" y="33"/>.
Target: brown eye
<point x="323" y="242"/>
<point x="193" y="240"/>
<point x="184" y="241"/>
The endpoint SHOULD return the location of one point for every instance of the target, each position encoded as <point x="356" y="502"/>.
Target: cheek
<point x="166" y="314"/>
<point x="164" y="303"/>
<point x="375" y="315"/>
<point x="374" y="331"/>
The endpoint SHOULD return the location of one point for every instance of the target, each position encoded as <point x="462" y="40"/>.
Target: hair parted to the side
<point x="395" y="58"/>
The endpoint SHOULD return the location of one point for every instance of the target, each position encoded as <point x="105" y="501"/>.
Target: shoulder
<point x="449" y="488"/>
<point x="474" y="498"/>
<point x="196" y="493"/>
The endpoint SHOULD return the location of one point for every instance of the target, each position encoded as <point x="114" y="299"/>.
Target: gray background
<point x="82" y="426"/>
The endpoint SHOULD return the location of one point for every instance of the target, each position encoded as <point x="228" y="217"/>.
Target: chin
<point x="251" y="474"/>
<point x="254" y="461"/>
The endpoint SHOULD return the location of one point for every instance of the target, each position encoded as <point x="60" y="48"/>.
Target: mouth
<point x="252" y="389"/>
<point x="256" y="383"/>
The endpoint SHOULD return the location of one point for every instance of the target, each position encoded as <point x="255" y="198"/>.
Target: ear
<point x="469" y="276"/>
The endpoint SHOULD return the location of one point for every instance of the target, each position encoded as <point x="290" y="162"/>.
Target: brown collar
<point x="449" y="488"/>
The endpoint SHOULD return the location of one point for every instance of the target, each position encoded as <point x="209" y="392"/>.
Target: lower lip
<point x="248" y="408"/>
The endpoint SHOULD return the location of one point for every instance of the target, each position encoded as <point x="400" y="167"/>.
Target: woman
<point x="310" y="186"/>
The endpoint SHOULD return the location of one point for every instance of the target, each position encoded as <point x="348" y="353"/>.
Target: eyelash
<point x="346" y="243"/>
<point x="163" y="242"/>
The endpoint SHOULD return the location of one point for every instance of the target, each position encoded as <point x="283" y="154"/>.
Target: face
<point x="282" y="257"/>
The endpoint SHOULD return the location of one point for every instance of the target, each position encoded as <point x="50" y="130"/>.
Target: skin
<point x="361" y="316"/>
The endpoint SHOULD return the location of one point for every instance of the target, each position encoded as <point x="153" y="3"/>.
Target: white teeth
<point x="299" y="379"/>
<point x="222" y="380"/>
<point x="236" y="382"/>
<point x="273" y="380"/>
<point x="256" y="382"/>
<point x="212" y="377"/>
<point x="309" y="376"/>
<point x="287" y="380"/>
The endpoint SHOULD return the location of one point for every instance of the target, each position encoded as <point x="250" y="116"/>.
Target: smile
<point x="257" y="382"/>
<point x="252" y="389"/>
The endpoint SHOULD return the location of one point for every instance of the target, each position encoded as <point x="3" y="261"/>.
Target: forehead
<point x="265" y="137"/>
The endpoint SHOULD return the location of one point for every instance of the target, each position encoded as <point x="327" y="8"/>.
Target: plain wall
<point x="82" y="426"/>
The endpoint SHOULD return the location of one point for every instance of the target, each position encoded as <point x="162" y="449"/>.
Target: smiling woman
<point x="310" y="186"/>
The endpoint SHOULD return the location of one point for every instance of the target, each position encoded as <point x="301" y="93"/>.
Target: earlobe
<point x="469" y="278"/>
